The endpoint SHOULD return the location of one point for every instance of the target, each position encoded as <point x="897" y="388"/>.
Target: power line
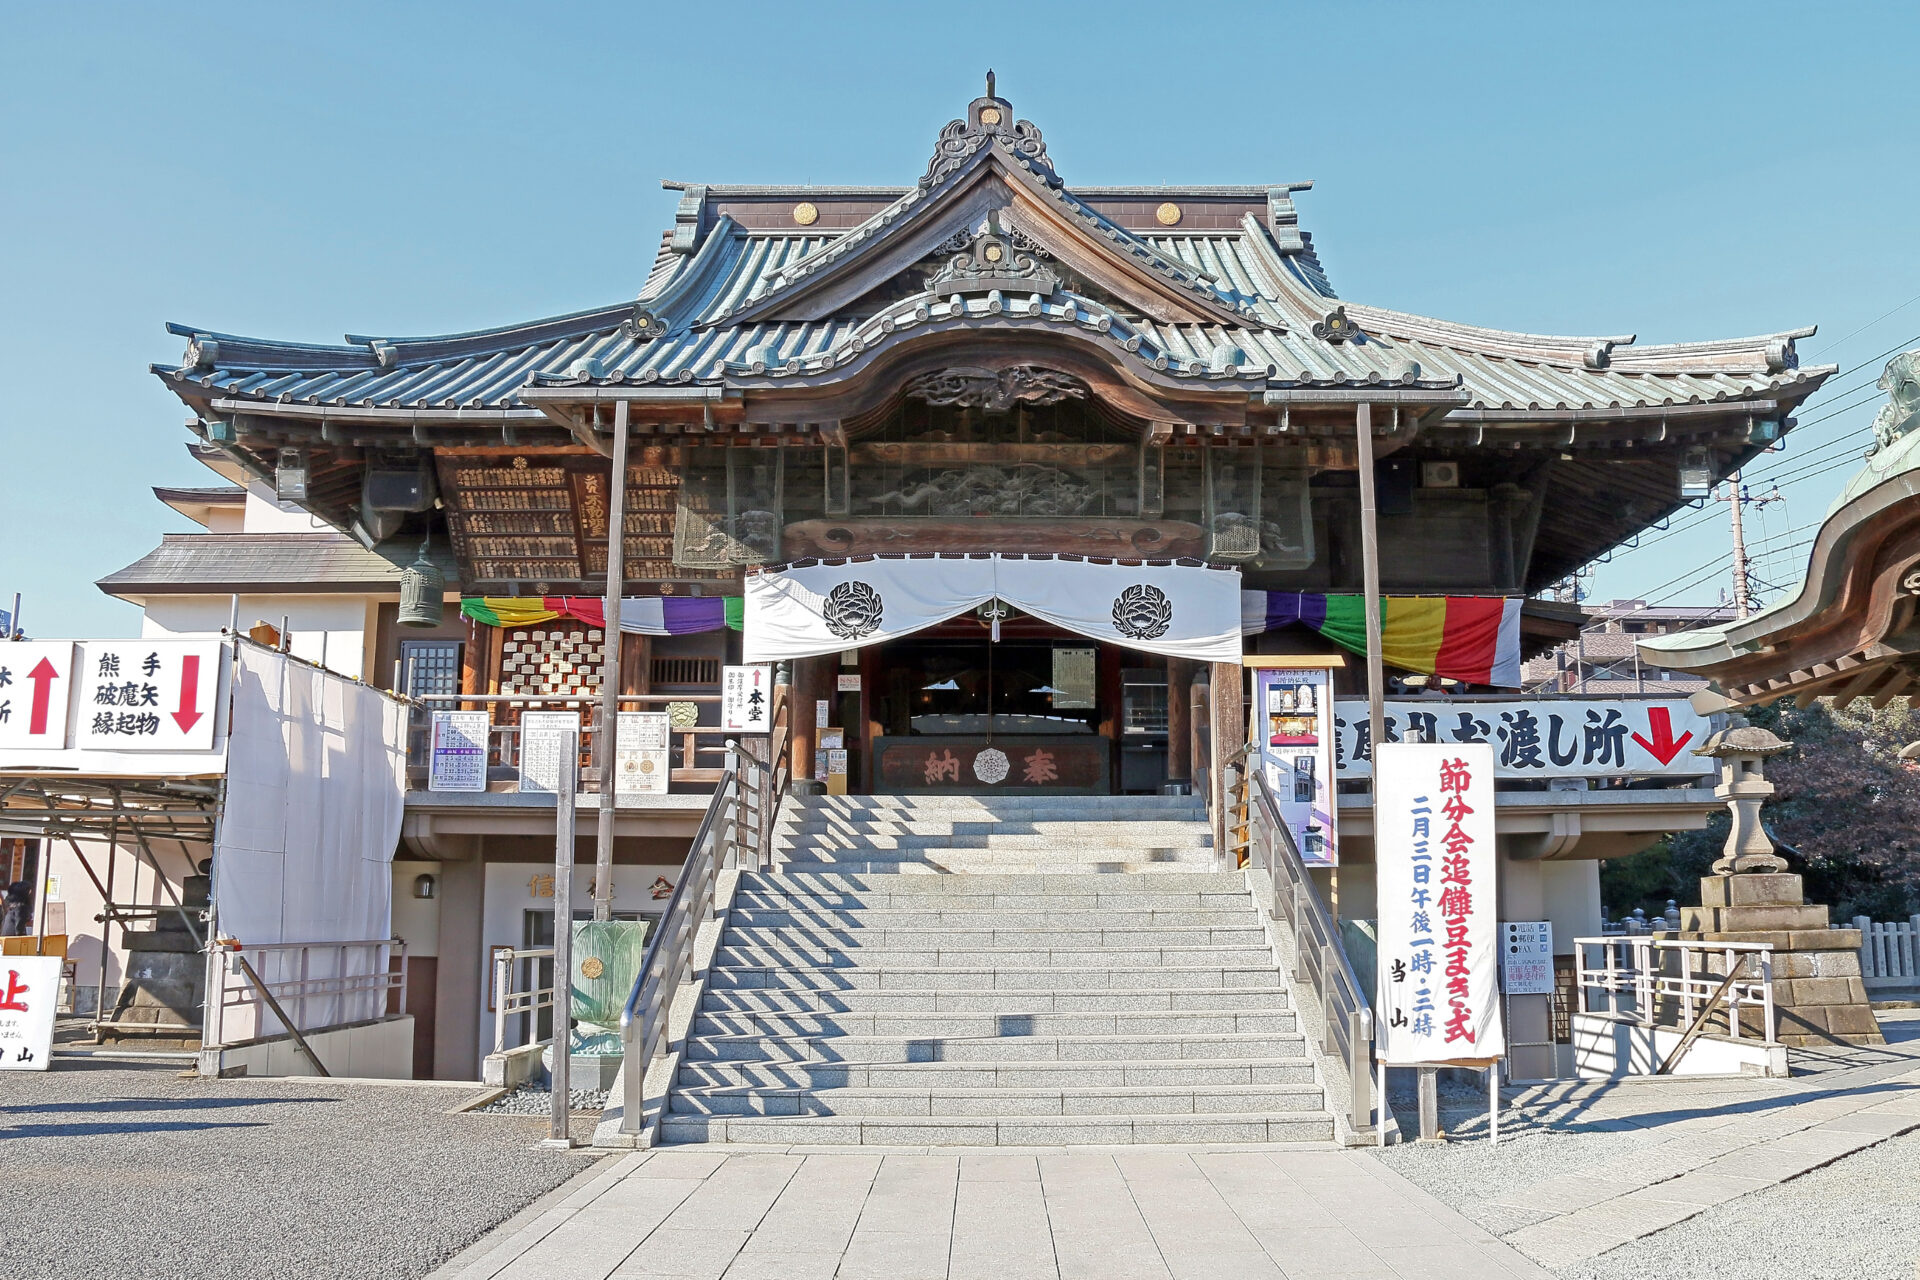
<point x="1869" y="324"/>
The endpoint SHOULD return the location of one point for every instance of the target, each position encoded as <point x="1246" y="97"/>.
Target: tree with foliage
<point x="1845" y="813"/>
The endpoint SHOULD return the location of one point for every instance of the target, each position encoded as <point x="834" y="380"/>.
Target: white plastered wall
<point x="514" y="888"/>
<point x="267" y="514"/>
<point x="329" y="630"/>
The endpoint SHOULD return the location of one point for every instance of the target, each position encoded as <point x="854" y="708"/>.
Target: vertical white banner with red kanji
<point x="29" y="991"/>
<point x="1436" y="996"/>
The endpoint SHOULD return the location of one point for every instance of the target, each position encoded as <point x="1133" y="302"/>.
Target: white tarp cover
<point x="316" y="774"/>
<point x="1182" y="610"/>
<point x="1436" y="873"/>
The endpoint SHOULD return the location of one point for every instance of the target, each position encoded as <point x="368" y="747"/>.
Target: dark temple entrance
<point x="1042" y="710"/>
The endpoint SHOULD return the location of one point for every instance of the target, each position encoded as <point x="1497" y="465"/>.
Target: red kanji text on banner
<point x="1437" y="993"/>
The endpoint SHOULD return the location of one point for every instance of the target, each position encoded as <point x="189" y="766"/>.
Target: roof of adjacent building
<point x="280" y="563"/>
<point x="1843" y="631"/>
<point x="214" y="495"/>
<point x="730" y="301"/>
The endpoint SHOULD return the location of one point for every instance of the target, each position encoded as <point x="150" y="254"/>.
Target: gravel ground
<point x="1856" y="1219"/>
<point x="529" y="1100"/>
<point x="126" y="1171"/>
<point x="1538" y="1140"/>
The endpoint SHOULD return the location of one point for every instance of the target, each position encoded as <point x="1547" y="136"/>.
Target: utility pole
<point x="1742" y="576"/>
<point x="1740" y="608"/>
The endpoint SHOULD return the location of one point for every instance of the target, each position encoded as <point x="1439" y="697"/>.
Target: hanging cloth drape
<point x="1183" y="610"/>
<point x="639" y="615"/>
<point x="1475" y="639"/>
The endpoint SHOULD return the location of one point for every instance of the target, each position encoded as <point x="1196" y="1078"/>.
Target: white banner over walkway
<point x="1182" y="610"/>
<point x="1436" y="877"/>
<point x="1550" y="737"/>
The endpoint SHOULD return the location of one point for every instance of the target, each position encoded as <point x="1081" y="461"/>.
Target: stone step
<point x="1062" y="847"/>
<point x="808" y="955"/>
<point x="1145" y="820"/>
<point x="1025" y="1131"/>
<point x="1056" y="1076"/>
<point x="997" y="803"/>
<point x="1071" y="1100"/>
<point x="817" y="879"/>
<point x="956" y="916"/>
<point x="1122" y="1022"/>
<point x="1027" y="938"/>
<point x="1209" y="1000"/>
<point x="1093" y="898"/>
<point x="899" y="1048"/>
<point x="1074" y="835"/>
<point x="784" y="977"/>
<point x="981" y="862"/>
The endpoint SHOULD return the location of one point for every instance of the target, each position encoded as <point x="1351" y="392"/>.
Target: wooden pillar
<point x="811" y="678"/>
<point x="1370" y="577"/>
<point x="1228" y="718"/>
<point x="1179" y="720"/>
<point x="606" y="740"/>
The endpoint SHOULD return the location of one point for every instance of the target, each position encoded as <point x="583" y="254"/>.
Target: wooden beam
<point x="1859" y="686"/>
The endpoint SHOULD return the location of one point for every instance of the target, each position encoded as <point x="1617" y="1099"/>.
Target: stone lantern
<point x="1744" y="786"/>
<point x="1819" y="997"/>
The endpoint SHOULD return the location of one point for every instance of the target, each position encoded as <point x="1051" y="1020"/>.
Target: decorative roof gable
<point x="991" y="167"/>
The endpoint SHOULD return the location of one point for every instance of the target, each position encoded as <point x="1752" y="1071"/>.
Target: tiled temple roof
<point x="705" y="317"/>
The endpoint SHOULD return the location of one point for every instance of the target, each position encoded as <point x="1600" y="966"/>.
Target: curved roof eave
<point x="1819" y="587"/>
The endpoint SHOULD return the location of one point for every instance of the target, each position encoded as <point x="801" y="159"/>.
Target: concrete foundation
<point x="1819" y="995"/>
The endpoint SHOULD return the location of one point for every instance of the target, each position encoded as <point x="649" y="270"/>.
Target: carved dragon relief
<point x="974" y="388"/>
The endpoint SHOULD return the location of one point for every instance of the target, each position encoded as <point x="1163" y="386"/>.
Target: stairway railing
<point x="735" y="834"/>
<point x="1319" y="961"/>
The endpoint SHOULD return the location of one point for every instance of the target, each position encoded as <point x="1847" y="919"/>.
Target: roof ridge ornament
<point x="1338" y="327"/>
<point x="996" y="258"/>
<point x="989" y="119"/>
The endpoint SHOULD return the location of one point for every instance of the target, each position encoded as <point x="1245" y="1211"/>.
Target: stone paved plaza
<point x="1590" y="1181"/>
<point x="1135" y="1213"/>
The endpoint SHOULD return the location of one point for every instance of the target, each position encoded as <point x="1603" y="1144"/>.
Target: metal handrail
<point x="1319" y="961"/>
<point x="381" y="980"/>
<point x="1636" y="981"/>
<point x="734" y="832"/>
<point x="509" y="998"/>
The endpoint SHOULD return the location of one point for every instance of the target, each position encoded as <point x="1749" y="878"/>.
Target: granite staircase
<point x="1012" y="971"/>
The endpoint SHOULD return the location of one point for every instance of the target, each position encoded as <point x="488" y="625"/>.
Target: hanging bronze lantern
<point x="423" y="590"/>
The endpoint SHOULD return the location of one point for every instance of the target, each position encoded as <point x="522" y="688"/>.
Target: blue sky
<point x="1675" y="171"/>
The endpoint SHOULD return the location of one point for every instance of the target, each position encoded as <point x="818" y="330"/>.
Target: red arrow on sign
<point x="43" y="677"/>
<point x="1664" y="747"/>
<point x="189" y="714"/>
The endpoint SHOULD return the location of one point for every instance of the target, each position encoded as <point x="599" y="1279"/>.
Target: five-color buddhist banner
<point x="1182" y="610"/>
<point x="1473" y="639"/>
<point x="639" y="615"/>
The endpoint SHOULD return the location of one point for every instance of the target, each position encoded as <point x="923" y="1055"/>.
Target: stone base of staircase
<point x="958" y="971"/>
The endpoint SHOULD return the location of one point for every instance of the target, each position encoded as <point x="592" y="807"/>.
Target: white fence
<point x="518" y="992"/>
<point x="1889" y="950"/>
<point x="317" y="984"/>
<point x="1664" y="983"/>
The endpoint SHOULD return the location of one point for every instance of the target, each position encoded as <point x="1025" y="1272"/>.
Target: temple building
<point x="998" y="471"/>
